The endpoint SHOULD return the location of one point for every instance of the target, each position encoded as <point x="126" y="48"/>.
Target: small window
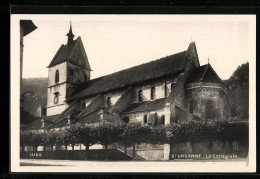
<point x="172" y="85"/>
<point x="145" y="119"/>
<point x="109" y="103"/>
<point x="140" y="95"/>
<point x="152" y="93"/>
<point x="162" y="119"/>
<point x="57" y="78"/>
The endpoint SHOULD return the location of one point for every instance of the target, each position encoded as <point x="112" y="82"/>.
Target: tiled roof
<point x="165" y="66"/>
<point x="96" y="104"/>
<point x="145" y="106"/>
<point x="72" y="109"/>
<point x="74" y="53"/>
<point x="51" y="118"/>
<point x="62" y="123"/>
<point x="93" y="117"/>
<point x="90" y="117"/>
<point x="204" y="73"/>
<point x="37" y="124"/>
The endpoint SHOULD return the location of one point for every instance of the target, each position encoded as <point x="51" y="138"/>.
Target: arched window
<point x="57" y="76"/>
<point x="152" y="93"/>
<point x="145" y="119"/>
<point x="109" y="103"/>
<point x="140" y="95"/>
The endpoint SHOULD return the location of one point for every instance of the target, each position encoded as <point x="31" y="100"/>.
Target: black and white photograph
<point x="133" y="93"/>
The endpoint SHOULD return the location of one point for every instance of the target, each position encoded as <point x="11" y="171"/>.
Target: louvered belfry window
<point x="57" y="76"/>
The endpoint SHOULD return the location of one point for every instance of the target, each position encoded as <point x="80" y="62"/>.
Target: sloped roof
<point x="96" y="104"/>
<point x="69" y="111"/>
<point x="204" y="73"/>
<point x="90" y="117"/>
<point x="62" y="123"/>
<point x="169" y="65"/>
<point x="74" y="53"/>
<point x="52" y="117"/>
<point x="37" y="124"/>
<point x="28" y="26"/>
<point x="145" y="106"/>
<point x="93" y="117"/>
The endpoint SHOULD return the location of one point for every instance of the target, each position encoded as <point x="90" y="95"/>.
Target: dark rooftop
<point x="74" y="53"/>
<point x="203" y="73"/>
<point x="145" y="106"/>
<point x="172" y="64"/>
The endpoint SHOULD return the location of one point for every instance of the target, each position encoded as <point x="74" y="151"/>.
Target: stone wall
<point x="114" y="96"/>
<point x="59" y="87"/>
<point x="139" y="116"/>
<point x="160" y="88"/>
<point x="124" y="101"/>
<point x="207" y="101"/>
<point x="56" y="109"/>
<point x="62" y="74"/>
<point x="52" y="108"/>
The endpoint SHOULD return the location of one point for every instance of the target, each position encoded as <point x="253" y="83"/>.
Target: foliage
<point x="31" y="138"/>
<point x="49" y="138"/>
<point x="240" y="77"/>
<point x="108" y="133"/>
<point x="239" y="93"/>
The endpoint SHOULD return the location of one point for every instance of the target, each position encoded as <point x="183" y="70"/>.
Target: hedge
<point x="108" y="133"/>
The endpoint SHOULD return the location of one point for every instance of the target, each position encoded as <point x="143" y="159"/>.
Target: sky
<point x="116" y="42"/>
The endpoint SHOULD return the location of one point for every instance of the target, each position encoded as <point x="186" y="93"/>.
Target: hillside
<point x="39" y="87"/>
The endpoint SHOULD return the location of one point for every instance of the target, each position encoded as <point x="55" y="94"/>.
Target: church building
<point x="167" y="90"/>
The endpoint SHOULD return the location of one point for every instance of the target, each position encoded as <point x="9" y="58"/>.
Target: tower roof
<point x="204" y="73"/>
<point x="70" y="36"/>
<point x="73" y="53"/>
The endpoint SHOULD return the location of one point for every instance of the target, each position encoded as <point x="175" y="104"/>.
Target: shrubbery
<point x="133" y="133"/>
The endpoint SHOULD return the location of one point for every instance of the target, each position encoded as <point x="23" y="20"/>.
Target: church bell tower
<point x="69" y="66"/>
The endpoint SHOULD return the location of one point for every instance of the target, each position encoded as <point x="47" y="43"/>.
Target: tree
<point x="136" y="133"/>
<point x="239" y="94"/>
<point x="108" y="133"/>
<point x="84" y="134"/>
<point x="25" y="138"/>
<point x="49" y="138"/>
<point x="71" y="136"/>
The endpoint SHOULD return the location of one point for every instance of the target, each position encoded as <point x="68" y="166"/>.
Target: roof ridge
<point x="55" y="55"/>
<point x="139" y="65"/>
